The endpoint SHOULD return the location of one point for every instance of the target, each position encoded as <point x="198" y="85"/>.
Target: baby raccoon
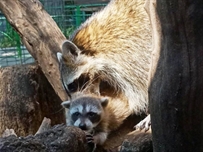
<point x="90" y="115"/>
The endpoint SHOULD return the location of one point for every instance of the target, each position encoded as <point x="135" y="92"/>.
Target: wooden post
<point x="176" y="91"/>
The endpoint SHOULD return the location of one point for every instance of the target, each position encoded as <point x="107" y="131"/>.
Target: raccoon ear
<point x="69" y="49"/>
<point x="104" y="101"/>
<point x="66" y="104"/>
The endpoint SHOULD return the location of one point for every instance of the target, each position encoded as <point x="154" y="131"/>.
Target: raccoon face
<point x="85" y="112"/>
<point x="72" y="65"/>
<point x="67" y="61"/>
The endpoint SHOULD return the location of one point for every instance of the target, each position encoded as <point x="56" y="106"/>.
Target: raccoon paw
<point x="144" y="124"/>
<point x="90" y="142"/>
<point x="89" y="138"/>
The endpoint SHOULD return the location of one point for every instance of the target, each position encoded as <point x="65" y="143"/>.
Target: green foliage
<point x="10" y="39"/>
<point x="67" y="32"/>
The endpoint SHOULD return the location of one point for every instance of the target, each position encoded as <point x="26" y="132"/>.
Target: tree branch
<point x="40" y="34"/>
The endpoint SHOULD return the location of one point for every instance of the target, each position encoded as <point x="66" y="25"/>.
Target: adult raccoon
<point x="109" y="56"/>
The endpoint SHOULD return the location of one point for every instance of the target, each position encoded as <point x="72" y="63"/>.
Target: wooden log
<point x="58" y="138"/>
<point x="137" y="141"/>
<point x="52" y="139"/>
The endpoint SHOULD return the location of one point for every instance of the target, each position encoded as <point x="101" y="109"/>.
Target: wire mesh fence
<point x="68" y="14"/>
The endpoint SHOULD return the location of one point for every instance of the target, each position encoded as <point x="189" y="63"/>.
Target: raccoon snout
<point x="83" y="126"/>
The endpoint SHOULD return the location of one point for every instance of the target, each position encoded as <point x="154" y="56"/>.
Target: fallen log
<point x="62" y="138"/>
<point x="59" y="138"/>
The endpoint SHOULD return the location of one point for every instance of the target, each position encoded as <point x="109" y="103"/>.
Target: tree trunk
<point x="40" y="34"/>
<point x="26" y="97"/>
<point x="176" y="91"/>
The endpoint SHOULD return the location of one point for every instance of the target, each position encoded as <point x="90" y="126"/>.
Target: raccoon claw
<point x="144" y="124"/>
<point x="90" y="142"/>
<point x="89" y="138"/>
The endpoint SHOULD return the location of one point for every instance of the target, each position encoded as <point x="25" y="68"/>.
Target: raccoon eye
<point x="73" y="87"/>
<point x="91" y="114"/>
<point x="76" y="114"/>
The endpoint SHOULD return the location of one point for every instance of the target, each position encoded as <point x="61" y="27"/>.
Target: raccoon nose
<point x="83" y="126"/>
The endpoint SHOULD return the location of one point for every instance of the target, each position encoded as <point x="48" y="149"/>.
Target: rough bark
<point x="40" y="35"/>
<point x="176" y="91"/>
<point x="57" y="139"/>
<point x="137" y="141"/>
<point x="26" y="97"/>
